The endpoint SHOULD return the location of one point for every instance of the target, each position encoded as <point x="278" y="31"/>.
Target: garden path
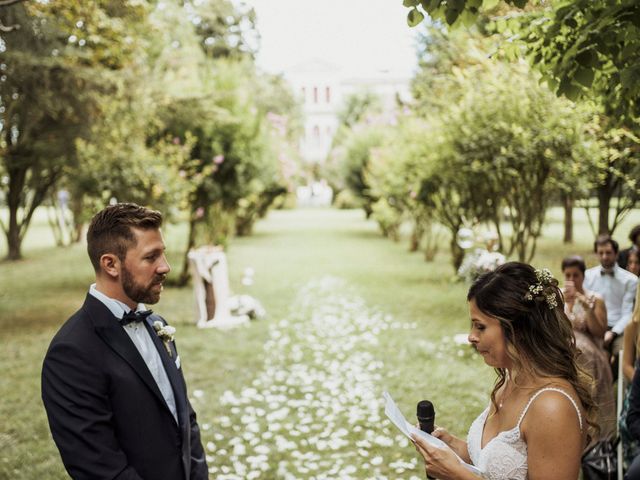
<point x="309" y="412"/>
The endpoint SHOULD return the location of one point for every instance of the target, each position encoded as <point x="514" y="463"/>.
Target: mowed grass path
<point x="289" y="250"/>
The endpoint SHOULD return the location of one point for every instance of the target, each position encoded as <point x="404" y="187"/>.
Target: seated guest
<point x="633" y="424"/>
<point x="630" y="354"/>
<point x="540" y="413"/>
<point x="631" y="351"/>
<point x="633" y="261"/>
<point x="588" y="315"/>
<point x="634" y="236"/>
<point x="618" y="288"/>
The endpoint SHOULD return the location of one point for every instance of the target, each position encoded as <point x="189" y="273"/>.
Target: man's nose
<point x="164" y="266"/>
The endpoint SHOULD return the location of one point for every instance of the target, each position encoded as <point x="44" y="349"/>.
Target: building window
<point x="315" y="94"/>
<point x="327" y="94"/>
<point x="316" y="131"/>
<point x="303" y="92"/>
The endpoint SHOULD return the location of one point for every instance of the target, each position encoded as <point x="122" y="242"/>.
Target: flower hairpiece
<point x="544" y="290"/>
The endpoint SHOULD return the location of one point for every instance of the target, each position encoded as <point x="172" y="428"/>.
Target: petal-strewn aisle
<point x="315" y="410"/>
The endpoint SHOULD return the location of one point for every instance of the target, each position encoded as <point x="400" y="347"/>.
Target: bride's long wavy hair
<point x="539" y="336"/>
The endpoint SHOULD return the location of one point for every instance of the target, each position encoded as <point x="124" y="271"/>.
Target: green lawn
<point x="411" y="308"/>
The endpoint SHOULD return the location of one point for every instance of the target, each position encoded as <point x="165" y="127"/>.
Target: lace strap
<point x="553" y="389"/>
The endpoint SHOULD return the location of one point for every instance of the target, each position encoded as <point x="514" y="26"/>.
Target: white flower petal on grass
<point x="318" y="393"/>
<point x="262" y="449"/>
<point x="239" y="449"/>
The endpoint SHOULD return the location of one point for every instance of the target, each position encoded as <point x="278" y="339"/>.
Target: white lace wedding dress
<point x="504" y="457"/>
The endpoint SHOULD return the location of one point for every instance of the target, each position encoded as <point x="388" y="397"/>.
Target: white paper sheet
<point x="394" y="414"/>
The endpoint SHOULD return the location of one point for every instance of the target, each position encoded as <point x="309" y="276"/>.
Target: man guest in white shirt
<point x="618" y="288"/>
<point x="112" y="384"/>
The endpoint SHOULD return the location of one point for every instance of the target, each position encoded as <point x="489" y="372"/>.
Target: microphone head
<point x="425" y="409"/>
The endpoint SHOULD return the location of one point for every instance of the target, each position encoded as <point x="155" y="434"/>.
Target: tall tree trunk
<point x="604" y="202"/>
<point x="76" y="205"/>
<point x="416" y="236"/>
<point x="17" y="199"/>
<point x="14" y="241"/>
<point x="457" y="253"/>
<point x="191" y="241"/>
<point x="17" y="179"/>
<point x="568" y="218"/>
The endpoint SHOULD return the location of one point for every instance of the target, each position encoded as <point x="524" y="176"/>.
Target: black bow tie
<point x="132" y="316"/>
<point x="606" y="272"/>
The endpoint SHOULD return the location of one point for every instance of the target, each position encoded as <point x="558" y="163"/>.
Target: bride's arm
<point x="551" y="430"/>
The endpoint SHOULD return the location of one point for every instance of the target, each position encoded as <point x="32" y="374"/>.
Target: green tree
<point x="225" y="29"/>
<point x="56" y="68"/>
<point x="354" y="159"/>
<point x="231" y="169"/>
<point x="446" y="59"/>
<point x="445" y="191"/>
<point x="614" y="173"/>
<point x="513" y="136"/>
<point x="232" y="122"/>
<point x="395" y="176"/>
<point x="356" y="109"/>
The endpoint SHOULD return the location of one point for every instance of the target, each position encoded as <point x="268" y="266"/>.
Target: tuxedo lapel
<point x="112" y="333"/>
<point x="175" y="378"/>
<point x="179" y="390"/>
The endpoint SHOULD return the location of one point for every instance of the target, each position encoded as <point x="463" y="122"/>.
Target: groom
<point x="112" y="384"/>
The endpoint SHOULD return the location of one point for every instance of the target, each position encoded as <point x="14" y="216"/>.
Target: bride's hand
<point x="443" y="435"/>
<point x="441" y="463"/>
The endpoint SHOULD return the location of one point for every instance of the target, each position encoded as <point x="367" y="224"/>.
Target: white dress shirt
<point x="618" y="291"/>
<point x="139" y="335"/>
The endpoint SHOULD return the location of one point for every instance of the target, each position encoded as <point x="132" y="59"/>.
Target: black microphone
<point x="426" y="418"/>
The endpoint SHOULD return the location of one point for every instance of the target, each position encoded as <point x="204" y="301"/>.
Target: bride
<point x="540" y="417"/>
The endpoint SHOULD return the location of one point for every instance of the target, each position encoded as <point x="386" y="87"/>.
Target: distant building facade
<point x="323" y="87"/>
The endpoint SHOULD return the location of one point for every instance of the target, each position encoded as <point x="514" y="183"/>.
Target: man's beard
<point x="141" y="293"/>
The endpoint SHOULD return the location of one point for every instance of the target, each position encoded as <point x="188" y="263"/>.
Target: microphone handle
<point x="427" y="426"/>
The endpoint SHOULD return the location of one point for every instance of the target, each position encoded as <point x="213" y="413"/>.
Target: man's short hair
<point x="633" y="234"/>
<point x="110" y="230"/>
<point x="603" y="240"/>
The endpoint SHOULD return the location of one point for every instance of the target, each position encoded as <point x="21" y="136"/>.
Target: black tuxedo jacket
<point x="106" y="413"/>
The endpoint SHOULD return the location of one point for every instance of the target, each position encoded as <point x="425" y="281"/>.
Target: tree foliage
<point x="586" y="51"/>
<point x="51" y="89"/>
<point x="486" y="143"/>
<point x="584" y="48"/>
<point x="157" y="103"/>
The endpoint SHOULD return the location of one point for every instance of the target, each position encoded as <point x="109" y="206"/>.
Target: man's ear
<point x="110" y="265"/>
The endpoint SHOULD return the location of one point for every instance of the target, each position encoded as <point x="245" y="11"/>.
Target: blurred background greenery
<point x="288" y="249"/>
<point x="162" y="103"/>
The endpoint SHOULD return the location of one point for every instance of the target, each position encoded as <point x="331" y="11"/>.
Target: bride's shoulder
<point x="556" y="405"/>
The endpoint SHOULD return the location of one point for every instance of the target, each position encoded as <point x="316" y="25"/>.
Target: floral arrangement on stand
<point x="480" y="260"/>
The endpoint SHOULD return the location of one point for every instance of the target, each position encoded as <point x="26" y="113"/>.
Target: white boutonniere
<point x="166" y="333"/>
